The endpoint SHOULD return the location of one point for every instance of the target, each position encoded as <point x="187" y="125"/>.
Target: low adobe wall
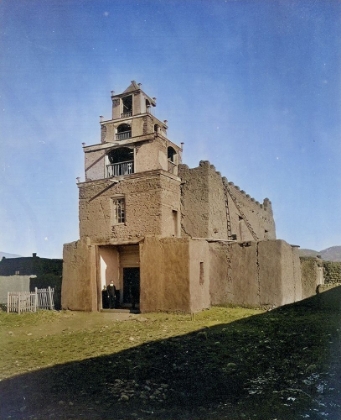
<point x="265" y="273"/>
<point x="174" y="275"/>
<point x="79" y="289"/>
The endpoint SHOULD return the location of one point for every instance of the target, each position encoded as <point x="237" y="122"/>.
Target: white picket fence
<point x="30" y="301"/>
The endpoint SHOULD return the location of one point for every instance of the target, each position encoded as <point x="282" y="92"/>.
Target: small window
<point x="202" y="274"/>
<point x="118" y="210"/>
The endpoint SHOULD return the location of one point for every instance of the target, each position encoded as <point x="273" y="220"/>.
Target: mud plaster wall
<point x="310" y="272"/>
<point x="94" y="163"/>
<point x="164" y="274"/>
<point x="170" y="210"/>
<point x="260" y="216"/>
<point x="244" y="273"/>
<point x="145" y="196"/>
<point x="16" y="283"/>
<point x="199" y="275"/>
<point x="194" y="201"/>
<point x="221" y="286"/>
<point x="265" y="273"/>
<point x="204" y="211"/>
<point x="279" y="273"/>
<point x="151" y="155"/>
<point x="79" y="289"/>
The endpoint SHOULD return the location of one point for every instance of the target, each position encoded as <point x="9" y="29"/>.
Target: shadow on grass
<point x="279" y="365"/>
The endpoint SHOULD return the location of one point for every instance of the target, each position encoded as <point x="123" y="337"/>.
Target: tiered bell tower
<point x="133" y="141"/>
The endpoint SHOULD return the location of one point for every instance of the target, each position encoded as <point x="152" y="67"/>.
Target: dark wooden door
<point x="131" y="286"/>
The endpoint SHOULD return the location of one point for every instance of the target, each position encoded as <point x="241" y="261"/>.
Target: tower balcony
<point x="126" y="114"/>
<point x="123" y="136"/>
<point x="119" y="169"/>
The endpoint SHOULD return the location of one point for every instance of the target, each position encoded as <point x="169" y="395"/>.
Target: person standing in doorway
<point x="112" y="295"/>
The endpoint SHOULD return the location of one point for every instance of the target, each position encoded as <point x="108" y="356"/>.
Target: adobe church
<point x="184" y="238"/>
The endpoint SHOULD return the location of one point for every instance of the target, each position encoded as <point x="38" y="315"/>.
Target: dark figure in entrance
<point x="105" y="298"/>
<point x="112" y="295"/>
<point x="134" y="294"/>
<point x="118" y="298"/>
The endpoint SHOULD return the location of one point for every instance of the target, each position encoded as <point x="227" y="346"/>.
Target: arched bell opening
<point x="171" y="154"/>
<point x="172" y="160"/>
<point x="121" y="162"/>
<point x="123" y="132"/>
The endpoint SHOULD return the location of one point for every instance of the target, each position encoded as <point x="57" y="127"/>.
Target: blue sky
<point x="253" y="86"/>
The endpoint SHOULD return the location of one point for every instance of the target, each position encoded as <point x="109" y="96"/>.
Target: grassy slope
<point x="225" y="363"/>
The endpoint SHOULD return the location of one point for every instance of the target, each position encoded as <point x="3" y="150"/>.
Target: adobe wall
<point x="221" y="285"/>
<point x="147" y="199"/>
<point x="164" y="274"/>
<point x="170" y="208"/>
<point x="194" y="201"/>
<point x="265" y="273"/>
<point x="79" y="288"/>
<point x="15" y="283"/>
<point x="245" y="274"/>
<point x="203" y="197"/>
<point x="259" y="216"/>
<point x="199" y="275"/>
<point x="312" y="275"/>
<point x="279" y="273"/>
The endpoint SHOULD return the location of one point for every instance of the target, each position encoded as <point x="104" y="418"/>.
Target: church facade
<point x="184" y="238"/>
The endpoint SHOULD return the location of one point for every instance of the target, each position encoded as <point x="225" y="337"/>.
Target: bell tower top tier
<point x="133" y="101"/>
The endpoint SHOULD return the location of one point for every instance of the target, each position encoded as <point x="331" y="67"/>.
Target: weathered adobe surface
<point x="265" y="273"/>
<point x="147" y="199"/>
<point x="203" y="205"/>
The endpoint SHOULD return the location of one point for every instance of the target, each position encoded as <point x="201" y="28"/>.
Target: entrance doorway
<point x="131" y="286"/>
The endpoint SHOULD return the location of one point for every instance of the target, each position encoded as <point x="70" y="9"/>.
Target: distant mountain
<point x="4" y="254"/>
<point x="330" y="254"/>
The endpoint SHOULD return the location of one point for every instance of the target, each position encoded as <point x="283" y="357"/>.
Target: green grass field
<point x="232" y="363"/>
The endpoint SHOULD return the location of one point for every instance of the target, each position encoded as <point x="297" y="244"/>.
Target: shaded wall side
<point x="203" y="201"/>
<point x="95" y="164"/>
<point x="164" y="275"/>
<point x="260" y="216"/>
<point x="310" y="267"/>
<point x="199" y="275"/>
<point x="244" y="274"/>
<point x="79" y="287"/>
<point x="194" y="201"/>
<point x="279" y="273"/>
<point x="217" y="216"/>
<point x="221" y="286"/>
<point x="297" y="274"/>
